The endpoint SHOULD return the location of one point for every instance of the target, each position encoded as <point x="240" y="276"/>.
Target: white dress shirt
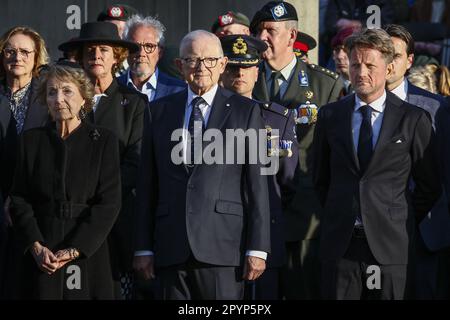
<point x="402" y="90"/>
<point x="148" y="88"/>
<point x="96" y="99"/>
<point x="206" y="111"/>
<point x="286" y="75"/>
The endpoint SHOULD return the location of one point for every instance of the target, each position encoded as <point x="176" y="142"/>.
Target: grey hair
<point x="197" y="34"/>
<point x="291" y="24"/>
<point x="137" y="20"/>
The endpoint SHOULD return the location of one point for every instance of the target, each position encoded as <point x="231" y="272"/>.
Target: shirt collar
<point x="402" y="90"/>
<point x="208" y="96"/>
<point x="285" y="72"/>
<point x="377" y="105"/>
<point x="150" y="84"/>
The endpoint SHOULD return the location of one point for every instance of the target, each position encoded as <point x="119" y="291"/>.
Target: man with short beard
<point x="143" y="74"/>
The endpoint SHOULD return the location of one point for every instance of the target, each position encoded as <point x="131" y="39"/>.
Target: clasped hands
<point x="48" y="261"/>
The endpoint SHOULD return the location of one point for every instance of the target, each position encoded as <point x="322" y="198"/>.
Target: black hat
<point x="117" y="11"/>
<point x="242" y="50"/>
<point x="273" y="11"/>
<point x="304" y="43"/>
<point x="231" y="17"/>
<point x="100" y="32"/>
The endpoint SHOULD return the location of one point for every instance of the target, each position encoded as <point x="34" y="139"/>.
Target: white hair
<point x="196" y="35"/>
<point x="137" y="21"/>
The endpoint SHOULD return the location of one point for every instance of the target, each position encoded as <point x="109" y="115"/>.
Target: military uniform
<point x="242" y="52"/>
<point x="309" y="87"/>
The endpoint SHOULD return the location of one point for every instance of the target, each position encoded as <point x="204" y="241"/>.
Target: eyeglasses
<point x="195" y="62"/>
<point x="9" y="52"/>
<point x="148" y="47"/>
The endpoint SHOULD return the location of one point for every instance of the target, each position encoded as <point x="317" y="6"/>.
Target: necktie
<point x="365" y="145"/>
<point x="196" y="127"/>
<point x="275" y="95"/>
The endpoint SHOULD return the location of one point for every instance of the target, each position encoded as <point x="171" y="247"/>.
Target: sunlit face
<point x="368" y="72"/>
<point x="402" y="61"/>
<point x="232" y="29"/>
<point x="240" y="80"/>
<point x="201" y="77"/>
<point x="278" y="38"/>
<point x="341" y="61"/>
<point x="143" y="63"/>
<point x="98" y="60"/>
<point x="19" y="55"/>
<point x="64" y="99"/>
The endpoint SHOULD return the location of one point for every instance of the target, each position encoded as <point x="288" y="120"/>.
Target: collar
<point x="402" y="90"/>
<point x="150" y="84"/>
<point x="208" y="96"/>
<point x="285" y="72"/>
<point x="377" y="105"/>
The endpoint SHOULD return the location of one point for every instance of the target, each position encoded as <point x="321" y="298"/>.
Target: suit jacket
<point x="281" y="186"/>
<point x="37" y="116"/>
<point x="434" y="228"/>
<point x="165" y="84"/>
<point x="323" y="86"/>
<point x="390" y="212"/>
<point x="205" y="213"/>
<point x="122" y="112"/>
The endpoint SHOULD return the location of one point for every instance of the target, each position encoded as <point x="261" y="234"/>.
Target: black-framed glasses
<point x="148" y="47"/>
<point x="9" y="52"/>
<point x="209" y="62"/>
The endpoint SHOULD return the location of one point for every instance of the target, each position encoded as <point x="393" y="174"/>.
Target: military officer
<point x="244" y="55"/>
<point x="304" y="88"/>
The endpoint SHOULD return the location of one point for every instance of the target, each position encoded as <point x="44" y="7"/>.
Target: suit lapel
<point x="260" y="90"/>
<point x="106" y="102"/>
<point x="347" y="134"/>
<point x="393" y="114"/>
<point x="219" y="111"/>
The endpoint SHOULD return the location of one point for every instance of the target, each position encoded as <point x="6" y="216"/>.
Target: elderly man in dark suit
<point x="367" y="146"/>
<point x="434" y="230"/>
<point x="143" y="74"/>
<point x="201" y="222"/>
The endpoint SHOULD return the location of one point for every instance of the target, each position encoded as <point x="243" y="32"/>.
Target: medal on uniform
<point x="306" y="113"/>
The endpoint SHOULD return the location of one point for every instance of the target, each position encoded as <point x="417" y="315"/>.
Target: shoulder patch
<point x="276" y="108"/>
<point x="323" y="70"/>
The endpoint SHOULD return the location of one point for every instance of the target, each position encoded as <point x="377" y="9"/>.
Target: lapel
<point x="294" y="89"/>
<point x="393" y="114"/>
<point x="219" y="110"/>
<point x="161" y="87"/>
<point x="5" y="114"/>
<point x="260" y="90"/>
<point x="347" y="134"/>
<point x="105" y="103"/>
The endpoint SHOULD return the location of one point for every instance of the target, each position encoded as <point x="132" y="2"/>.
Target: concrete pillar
<point x="308" y="22"/>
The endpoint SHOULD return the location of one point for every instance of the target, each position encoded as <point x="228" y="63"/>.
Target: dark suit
<point x="390" y="212"/>
<point x="202" y="218"/>
<point x="122" y="112"/>
<point x="165" y="84"/>
<point x="301" y="278"/>
<point x="434" y="229"/>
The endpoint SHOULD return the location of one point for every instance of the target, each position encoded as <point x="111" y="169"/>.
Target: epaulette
<point x="330" y="73"/>
<point x="276" y="108"/>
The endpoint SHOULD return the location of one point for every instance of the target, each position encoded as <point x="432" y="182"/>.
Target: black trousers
<point x="353" y="276"/>
<point x="195" y="280"/>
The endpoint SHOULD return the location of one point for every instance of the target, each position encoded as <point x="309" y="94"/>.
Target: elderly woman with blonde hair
<point x="66" y="195"/>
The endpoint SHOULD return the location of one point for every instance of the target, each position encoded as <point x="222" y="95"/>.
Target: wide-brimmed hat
<point x="98" y="32"/>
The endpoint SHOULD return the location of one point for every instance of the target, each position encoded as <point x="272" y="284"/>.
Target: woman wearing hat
<point x="66" y="195"/>
<point x="100" y="51"/>
<point x="22" y="54"/>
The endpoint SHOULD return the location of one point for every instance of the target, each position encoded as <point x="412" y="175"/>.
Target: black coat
<point x="381" y="194"/>
<point x="122" y="112"/>
<point x="66" y="193"/>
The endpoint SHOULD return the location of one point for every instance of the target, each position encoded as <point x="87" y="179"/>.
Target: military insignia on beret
<point x="239" y="47"/>
<point x="115" y="12"/>
<point x="226" y="19"/>
<point x="278" y="11"/>
<point x="306" y="113"/>
<point x="309" y="94"/>
<point x="303" y="79"/>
